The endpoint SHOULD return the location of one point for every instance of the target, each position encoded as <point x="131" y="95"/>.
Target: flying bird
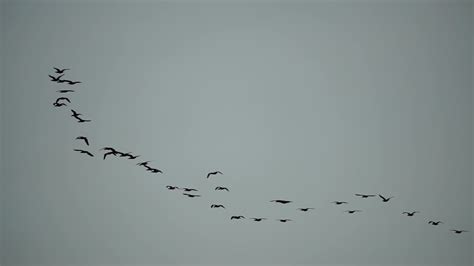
<point x="385" y="199"/>
<point x="172" y="187"/>
<point x="435" y="223"/>
<point x="143" y="163"/>
<point x="189" y="189"/>
<point x="114" y="153"/>
<point x="221" y="188"/>
<point x="75" y="114"/>
<point x="64" y="91"/>
<point x="458" y="231"/>
<point x="258" y="219"/>
<point x="410" y="213"/>
<point x="281" y="201"/>
<point x="214" y="173"/>
<point x="84" y="139"/>
<point x="63" y="99"/>
<point x="129" y="155"/>
<point x="85" y="152"/>
<point x="80" y="120"/>
<point x="305" y="209"/>
<point x="217" y="206"/>
<point x="109" y="149"/>
<point x="55" y="104"/>
<point x="56" y="79"/>
<point x="284" y="220"/>
<point x="191" y="195"/>
<point x="60" y="71"/>
<point x="72" y="82"/>
<point x="352" y="211"/>
<point x="153" y="170"/>
<point x="237" y="217"/>
<point x="339" y="202"/>
<point x="364" y="196"/>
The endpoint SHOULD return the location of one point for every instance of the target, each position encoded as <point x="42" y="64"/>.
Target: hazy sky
<point x="310" y="102"/>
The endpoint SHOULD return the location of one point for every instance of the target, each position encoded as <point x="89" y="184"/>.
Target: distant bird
<point x="339" y="202"/>
<point x="237" y="217"/>
<point x="189" y="189"/>
<point x="80" y="120"/>
<point x="63" y="99"/>
<point x="217" y="206"/>
<point x="305" y="209"/>
<point x="56" y="79"/>
<point x="214" y="173"/>
<point x="72" y="82"/>
<point x="258" y="219"/>
<point x="129" y="155"/>
<point x="85" y="152"/>
<point x="153" y="170"/>
<point x="281" y="201"/>
<point x="172" y="187"/>
<point x="385" y="199"/>
<point x="64" y="91"/>
<point x="114" y="153"/>
<point x="191" y="195"/>
<point x="352" y="211"/>
<point x="55" y="104"/>
<point x="84" y="139"/>
<point x="410" y="213"/>
<point x="458" y="231"/>
<point x="60" y="71"/>
<point x="435" y="223"/>
<point x="284" y="220"/>
<point x="221" y="188"/>
<point x="109" y="149"/>
<point x="75" y="114"/>
<point x="143" y="163"/>
<point x="364" y="196"/>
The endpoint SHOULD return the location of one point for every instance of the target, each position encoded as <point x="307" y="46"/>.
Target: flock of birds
<point x="192" y="192"/>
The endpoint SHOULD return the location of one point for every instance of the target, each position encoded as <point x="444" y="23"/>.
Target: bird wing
<point x="382" y="197"/>
<point x="208" y="175"/>
<point x="90" y="154"/>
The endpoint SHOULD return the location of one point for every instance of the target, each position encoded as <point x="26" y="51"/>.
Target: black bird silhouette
<point x="191" y="195"/>
<point x="85" y="152"/>
<point x="237" y="217"/>
<point x="56" y="79"/>
<point x="143" y="163"/>
<point x="64" y="91"/>
<point x="214" y="173"/>
<point x="55" y="104"/>
<point x="281" y="201"/>
<point x="60" y="71"/>
<point x="352" y="211"/>
<point x="284" y="220"/>
<point x="458" y="231"/>
<point x="385" y="199"/>
<point x="172" y="187"/>
<point x="410" y="213"/>
<point x="109" y="149"/>
<point x="339" y="202"/>
<point x="364" y="196"/>
<point x="129" y="155"/>
<point x="84" y="139"/>
<point x="75" y="114"/>
<point x="305" y="209"/>
<point x="153" y="170"/>
<point x="221" y="188"/>
<point x="80" y="120"/>
<point x="189" y="189"/>
<point x="72" y="82"/>
<point x="258" y="219"/>
<point x="435" y="223"/>
<point x="217" y="206"/>
<point x="114" y="153"/>
<point x="63" y="99"/>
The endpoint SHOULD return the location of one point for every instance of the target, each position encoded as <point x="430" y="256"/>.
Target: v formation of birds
<point x="63" y="101"/>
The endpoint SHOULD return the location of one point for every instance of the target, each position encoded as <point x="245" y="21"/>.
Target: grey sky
<point x="310" y="102"/>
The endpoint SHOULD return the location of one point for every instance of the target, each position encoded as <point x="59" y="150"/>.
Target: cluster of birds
<point x="192" y="192"/>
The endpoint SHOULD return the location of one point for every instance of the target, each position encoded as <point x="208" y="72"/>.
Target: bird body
<point x="217" y="206"/>
<point x="85" y="152"/>
<point x="63" y="99"/>
<point x="384" y="199"/>
<point x="191" y="195"/>
<point x="364" y="196"/>
<point x="60" y="71"/>
<point x="237" y="217"/>
<point x="56" y="79"/>
<point x="64" y="91"/>
<point x="339" y="202"/>
<point x="458" y="231"/>
<point x="172" y="187"/>
<point x="189" y="189"/>
<point x="214" y="173"/>
<point x="352" y="211"/>
<point x="281" y="201"/>
<point x="114" y="153"/>
<point x="258" y="219"/>
<point x="305" y="209"/>
<point x="284" y="220"/>
<point x="221" y="188"/>
<point x="410" y="213"/>
<point x="435" y="223"/>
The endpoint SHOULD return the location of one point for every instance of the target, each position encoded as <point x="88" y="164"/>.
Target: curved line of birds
<point x="192" y="192"/>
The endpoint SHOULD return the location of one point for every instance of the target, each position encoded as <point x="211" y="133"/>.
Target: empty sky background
<point x="306" y="101"/>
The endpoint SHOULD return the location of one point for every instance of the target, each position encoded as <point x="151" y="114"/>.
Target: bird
<point x="143" y="163"/>
<point x="237" y="217"/>
<point x="153" y="170"/>
<point x="352" y="211"/>
<point x="64" y="91"/>
<point x="172" y="187"/>
<point x="191" y="195"/>
<point x="458" y="231"/>
<point x="217" y="206"/>
<point x="364" y="196"/>
<point x="56" y="79"/>
<point x="221" y="188"/>
<point x="85" y="152"/>
<point x="63" y="99"/>
<point x="214" y="173"/>
<point x="114" y="153"/>
<point x="435" y="223"/>
<point x="258" y="219"/>
<point x="385" y="199"/>
<point x="80" y="120"/>
<point x="109" y="149"/>
<point x="305" y="209"/>
<point x="129" y="155"/>
<point x="284" y="220"/>
<point x="339" y="202"/>
<point x="281" y="201"/>
<point x="75" y="114"/>
<point x="85" y="139"/>
<point x="410" y="213"/>
<point x="55" y="104"/>
<point x="60" y="71"/>
<point x="189" y="189"/>
<point x="72" y="82"/>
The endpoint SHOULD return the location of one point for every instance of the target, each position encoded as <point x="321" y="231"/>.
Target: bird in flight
<point x="60" y="71"/>
<point x="114" y="153"/>
<point x="189" y="189"/>
<point x="281" y="201"/>
<point x="109" y="149"/>
<point x="384" y="199"/>
<point x="129" y="155"/>
<point x="56" y="79"/>
<point x="258" y="219"/>
<point x="191" y="195"/>
<point x="72" y="82"/>
<point x="55" y="104"/>
<point x="84" y="139"/>
<point x="64" y="91"/>
<point x="63" y="99"/>
<point x="364" y="196"/>
<point x="143" y="163"/>
<point x="217" y="206"/>
<point x="153" y="170"/>
<point x="221" y="188"/>
<point x="339" y="202"/>
<point x="435" y="223"/>
<point x="410" y="213"/>
<point x="305" y="209"/>
<point x="172" y="187"/>
<point x="458" y="231"/>
<point x="352" y="211"/>
<point x="75" y="114"/>
<point x="85" y="152"/>
<point x="237" y="217"/>
<point x="214" y="173"/>
<point x="284" y="220"/>
<point x="80" y="120"/>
